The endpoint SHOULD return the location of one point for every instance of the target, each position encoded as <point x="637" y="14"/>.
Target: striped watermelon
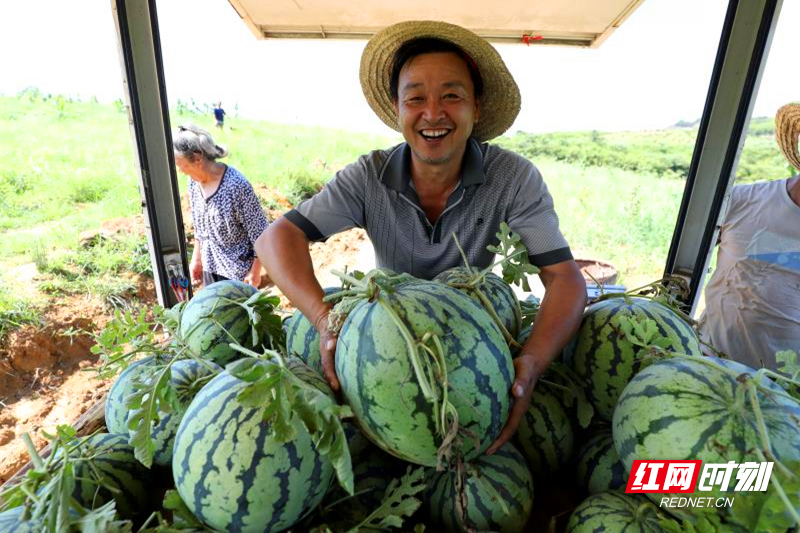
<point x="545" y="435"/>
<point x="498" y="293"/>
<point x="113" y="459"/>
<point x="186" y="378"/>
<point x="599" y="467"/>
<point x="302" y="338"/>
<point x="378" y="381"/>
<point x="214" y="318"/>
<point x="232" y="473"/>
<point x="116" y="412"/>
<point x="605" y="358"/>
<point x="690" y="409"/>
<point x="497" y="495"/>
<point x="613" y="512"/>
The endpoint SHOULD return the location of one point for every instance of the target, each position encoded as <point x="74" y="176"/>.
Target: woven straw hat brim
<point x="787" y="132"/>
<point x="500" y="102"/>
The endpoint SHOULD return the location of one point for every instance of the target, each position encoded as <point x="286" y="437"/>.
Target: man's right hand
<point x="327" y="351"/>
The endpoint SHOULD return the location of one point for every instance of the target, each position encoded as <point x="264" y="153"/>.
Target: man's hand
<point x="327" y="351"/>
<point x="527" y="372"/>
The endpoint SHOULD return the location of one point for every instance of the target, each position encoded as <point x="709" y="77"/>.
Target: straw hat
<point x="500" y="102"/>
<point x="787" y="132"/>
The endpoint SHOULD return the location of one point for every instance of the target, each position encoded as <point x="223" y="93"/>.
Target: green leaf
<point x="788" y="362"/>
<point x="46" y="490"/>
<point x="515" y="263"/>
<point x="103" y="520"/>
<point x="180" y="513"/>
<point x="144" y="403"/>
<point x="281" y="391"/>
<point x="398" y="502"/>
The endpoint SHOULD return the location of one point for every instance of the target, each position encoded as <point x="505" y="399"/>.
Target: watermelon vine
<point x="428" y="370"/>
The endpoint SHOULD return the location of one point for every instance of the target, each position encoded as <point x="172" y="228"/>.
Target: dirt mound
<point x="44" y="372"/>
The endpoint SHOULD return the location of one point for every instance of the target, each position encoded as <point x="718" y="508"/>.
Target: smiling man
<point x="448" y="92"/>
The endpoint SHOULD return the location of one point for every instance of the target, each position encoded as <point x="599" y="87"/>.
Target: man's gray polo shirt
<point x="376" y="193"/>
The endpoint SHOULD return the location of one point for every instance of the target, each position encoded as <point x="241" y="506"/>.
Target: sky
<point x="651" y="73"/>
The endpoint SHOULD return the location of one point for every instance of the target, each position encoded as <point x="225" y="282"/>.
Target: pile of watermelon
<point x="231" y="426"/>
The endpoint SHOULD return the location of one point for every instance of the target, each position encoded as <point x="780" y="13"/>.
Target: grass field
<point x="66" y="166"/>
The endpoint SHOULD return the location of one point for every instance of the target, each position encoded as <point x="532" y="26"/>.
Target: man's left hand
<point x="527" y="371"/>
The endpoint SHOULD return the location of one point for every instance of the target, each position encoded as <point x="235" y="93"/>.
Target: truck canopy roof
<point x="561" y="22"/>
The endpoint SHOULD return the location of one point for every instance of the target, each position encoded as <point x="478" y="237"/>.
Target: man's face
<point x="436" y="106"/>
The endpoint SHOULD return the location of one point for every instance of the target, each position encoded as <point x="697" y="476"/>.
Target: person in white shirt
<point x="753" y="298"/>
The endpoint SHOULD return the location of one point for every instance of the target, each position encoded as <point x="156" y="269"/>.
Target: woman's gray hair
<point x="191" y="141"/>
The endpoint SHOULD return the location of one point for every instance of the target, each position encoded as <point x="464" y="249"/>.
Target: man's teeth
<point x="434" y="133"/>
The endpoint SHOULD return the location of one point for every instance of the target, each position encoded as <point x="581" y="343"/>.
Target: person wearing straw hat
<point x="448" y="92"/>
<point x="753" y="298"/>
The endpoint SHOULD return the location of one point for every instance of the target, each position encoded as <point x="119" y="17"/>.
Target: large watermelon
<point x="613" y="512"/>
<point x="604" y="356"/>
<point x="186" y="378"/>
<point x="378" y="380"/>
<point x="302" y="338"/>
<point x="681" y="408"/>
<point x="214" y="318"/>
<point x="497" y="494"/>
<point x="599" y="468"/>
<point x="116" y="411"/>
<point x="113" y="458"/>
<point x="499" y="295"/>
<point x="233" y="474"/>
<point x="545" y="434"/>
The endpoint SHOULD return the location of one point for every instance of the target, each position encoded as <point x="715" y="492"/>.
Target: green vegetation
<point x="15" y="311"/>
<point x="663" y="153"/>
<point x="67" y="166"/>
<point x="615" y="215"/>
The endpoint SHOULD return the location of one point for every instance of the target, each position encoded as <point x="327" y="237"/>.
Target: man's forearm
<point x="558" y="319"/>
<point x="283" y="250"/>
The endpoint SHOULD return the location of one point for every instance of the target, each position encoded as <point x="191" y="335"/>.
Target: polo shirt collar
<point x="396" y="172"/>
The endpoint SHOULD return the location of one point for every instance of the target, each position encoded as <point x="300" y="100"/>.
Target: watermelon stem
<point x="36" y="459"/>
<point x="763" y="432"/>
<point x="463" y="255"/>
<point x="474" y="283"/>
<point x="490" y="308"/>
<point x="413" y="352"/>
<point x="662" y="291"/>
<point x="449" y="423"/>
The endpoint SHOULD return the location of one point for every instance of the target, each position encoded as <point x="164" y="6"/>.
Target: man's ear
<point x="477" y="111"/>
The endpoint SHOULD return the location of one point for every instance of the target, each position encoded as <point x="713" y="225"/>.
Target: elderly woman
<point x="226" y="214"/>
